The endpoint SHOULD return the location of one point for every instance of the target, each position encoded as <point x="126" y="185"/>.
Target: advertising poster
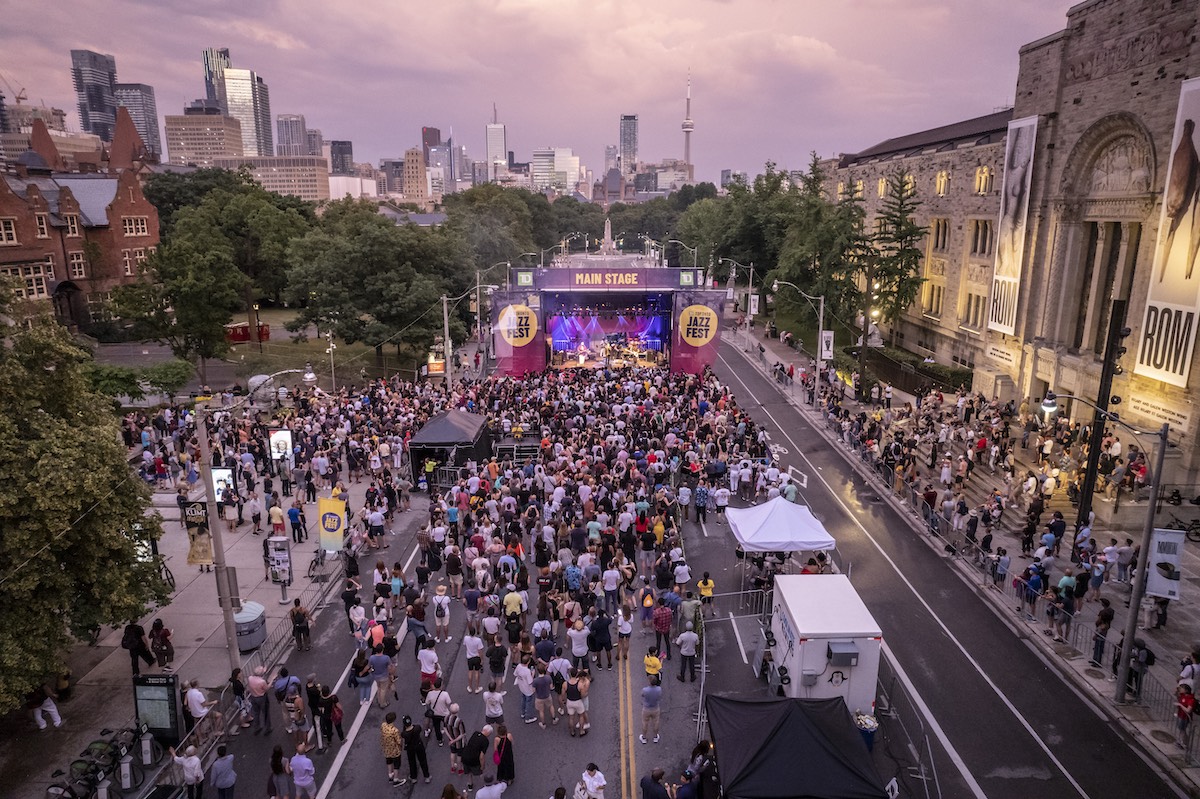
<point x="279" y="559"/>
<point x="517" y="336"/>
<point x="697" y="330"/>
<point x="1014" y="215"/>
<point x="1169" y="325"/>
<point x="222" y="481"/>
<point x="195" y="521"/>
<point x="281" y="446"/>
<point x="827" y="346"/>
<point x="1166" y="551"/>
<point x="332" y="515"/>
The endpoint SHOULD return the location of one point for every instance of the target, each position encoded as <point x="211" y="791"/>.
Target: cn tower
<point x="688" y="127"/>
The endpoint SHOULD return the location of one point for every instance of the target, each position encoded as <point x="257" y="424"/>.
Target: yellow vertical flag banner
<point x="332" y="513"/>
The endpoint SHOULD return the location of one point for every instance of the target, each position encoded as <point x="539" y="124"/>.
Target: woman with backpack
<point x="161" y="646"/>
<point x="441" y="615"/>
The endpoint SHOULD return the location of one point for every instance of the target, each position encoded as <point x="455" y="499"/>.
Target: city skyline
<point x="769" y="81"/>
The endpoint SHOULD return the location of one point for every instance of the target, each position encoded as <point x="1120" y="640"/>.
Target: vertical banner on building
<point x="519" y="347"/>
<point x="195" y="520"/>
<point x="1166" y="551"/>
<point x="1014" y="216"/>
<point x="332" y="513"/>
<point x="697" y="332"/>
<point x="1169" y="325"/>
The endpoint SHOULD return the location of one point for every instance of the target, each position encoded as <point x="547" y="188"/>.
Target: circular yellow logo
<point x="517" y="324"/>
<point x="697" y="325"/>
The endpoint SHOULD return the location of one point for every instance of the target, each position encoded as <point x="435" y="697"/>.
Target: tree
<point x="896" y="240"/>
<point x="114" y="381"/>
<point x="188" y="292"/>
<point x="171" y="192"/>
<point x="370" y="280"/>
<point x="66" y="502"/>
<point x="705" y="226"/>
<point x="495" y="223"/>
<point x="168" y="377"/>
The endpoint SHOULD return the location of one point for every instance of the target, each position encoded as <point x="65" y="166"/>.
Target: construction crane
<point x="19" y="95"/>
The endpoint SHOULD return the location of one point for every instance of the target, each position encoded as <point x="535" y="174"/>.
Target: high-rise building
<point x="304" y="176"/>
<point x="95" y="79"/>
<point x="629" y="143"/>
<point x="391" y="171"/>
<point x="341" y="158"/>
<point x="138" y="98"/>
<point x="315" y="141"/>
<point x="688" y="126"/>
<point x="416" y="177"/>
<point x="430" y="137"/>
<point x="611" y="156"/>
<point x="291" y="135"/>
<point x="216" y="61"/>
<point x="554" y="168"/>
<point x="497" y="147"/>
<point x="202" y="135"/>
<point x="249" y="102"/>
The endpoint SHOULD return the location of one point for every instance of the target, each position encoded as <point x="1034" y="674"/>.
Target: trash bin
<point x="251" y="624"/>
<point x="867" y="725"/>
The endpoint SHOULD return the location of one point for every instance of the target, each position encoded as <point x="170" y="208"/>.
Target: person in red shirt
<point x="662" y="620"/>
<point x="1185" y="705"/>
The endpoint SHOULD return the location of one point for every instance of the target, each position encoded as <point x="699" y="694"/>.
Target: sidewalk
<point x="1170" y="643"/>
<point x="102" y="695"/>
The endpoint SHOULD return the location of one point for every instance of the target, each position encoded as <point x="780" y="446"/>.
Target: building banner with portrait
<point x="1014" y="217"/>
<point x="195" y="521"/>
<point x="1168" y="335"/>
<point x="332" y="514"/>
<point x="517" y="334"/>
<point x="697" y="330"/>
<point x="1163" y="578"/>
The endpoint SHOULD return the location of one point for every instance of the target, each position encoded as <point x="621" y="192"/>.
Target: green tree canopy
<point x="897" y="239"/>
<point x="373" y="281"/>
<point x="66" y="500"/>
<point x="171" y="192"/>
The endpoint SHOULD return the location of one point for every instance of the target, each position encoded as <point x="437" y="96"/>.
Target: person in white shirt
<point x="441" y="615"/>
<point x="683" y="576"/>
<point x="611" y="579"/>
<point x="523" y="680"/>
<point x="685" y="501"/>
<point x="473" y="649"/>
<point x="193" y="770"/>
<point x="721" y="497"/>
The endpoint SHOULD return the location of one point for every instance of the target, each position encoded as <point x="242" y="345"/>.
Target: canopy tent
<point x="790" y="749"/>
<point x="451" y="438"/>
<point x="778" y="526"/>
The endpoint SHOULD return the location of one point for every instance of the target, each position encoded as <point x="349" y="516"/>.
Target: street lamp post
<point x="225" y="588"/>
<point x="692" y="250"/>
<point x="750" y="286"/>
<point x="258" y="327"/>
<point x="1138" y="589"/>
<point x="330" y="349"/>
<point x="820" y="309"/>
<point x="549" y="249"/>
<point x="448" y="351"/>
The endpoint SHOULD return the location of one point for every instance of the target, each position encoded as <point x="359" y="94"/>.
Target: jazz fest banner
<point x="1168" y="336"/>
<point x="697" y="329"/>
<point x="332" y="515"/>
<point x="1014" y="216"/>
<point x="517" y="334"/>
<point x="1166" y="551"/>
<point x="195" y="521"/>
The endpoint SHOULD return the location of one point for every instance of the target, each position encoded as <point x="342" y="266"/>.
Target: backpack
<point x="1151" y="659"/>
<point x="439" y="610"/>
<point x="648" y="600"/>
<point x="130" y="639"/>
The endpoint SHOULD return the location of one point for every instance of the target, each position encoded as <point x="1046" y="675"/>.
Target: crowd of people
<point x="550" y="569"/>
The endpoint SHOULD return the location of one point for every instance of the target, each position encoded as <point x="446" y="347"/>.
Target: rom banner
<point x="1014" y="216"/>
<point x="1169" y="325"/>
<point x="1163" y="576"/>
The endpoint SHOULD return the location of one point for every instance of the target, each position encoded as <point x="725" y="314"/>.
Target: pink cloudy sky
<point x="772" y="79"/>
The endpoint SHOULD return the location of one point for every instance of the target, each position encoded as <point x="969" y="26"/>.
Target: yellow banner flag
<point x="332" y="513"/>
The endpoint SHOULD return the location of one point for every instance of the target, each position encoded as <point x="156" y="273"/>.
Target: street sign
<point x="826" y="345"/>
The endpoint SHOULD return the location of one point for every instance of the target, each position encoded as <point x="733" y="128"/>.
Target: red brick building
<point x="72" y="237"/>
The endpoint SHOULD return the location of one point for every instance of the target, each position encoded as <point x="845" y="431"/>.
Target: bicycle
<point x="164" y="572"/>
<point x="1191" y="527"/>
<point x="317" y="564"/>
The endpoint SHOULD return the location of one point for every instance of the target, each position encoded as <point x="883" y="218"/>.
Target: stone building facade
<point x="1102" y="95"/>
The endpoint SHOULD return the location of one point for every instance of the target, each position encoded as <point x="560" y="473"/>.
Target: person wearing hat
<point x="441" y="615"/>
<point x="414" y="747"/>
<point x="690" y="787"/>
<point x="687" y="641"/>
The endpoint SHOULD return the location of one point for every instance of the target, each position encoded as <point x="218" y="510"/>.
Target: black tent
<point x="451" y="438"/>
<point x="790" y="749"/>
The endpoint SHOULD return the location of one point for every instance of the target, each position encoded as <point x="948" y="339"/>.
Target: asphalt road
<point x="1009" y="725"/>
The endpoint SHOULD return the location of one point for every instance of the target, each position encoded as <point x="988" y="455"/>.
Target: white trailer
<point x="823" y="642"/>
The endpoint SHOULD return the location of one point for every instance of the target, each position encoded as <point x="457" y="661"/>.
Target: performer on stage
<point x="583" y="352"/>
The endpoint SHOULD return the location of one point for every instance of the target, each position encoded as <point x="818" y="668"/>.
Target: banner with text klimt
<point x="516" y="339"/>
<point x="1168" y="335"/>
<point x="1014" y="217"/>
<point x="332" y="515"/>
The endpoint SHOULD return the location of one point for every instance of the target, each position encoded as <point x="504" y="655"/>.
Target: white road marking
<point x="919" y="701"/>
<point x="407" y="563"/>
<point x="737" y="635"/>
<point x="703" y="529"/>
<point x="958" y="644"/>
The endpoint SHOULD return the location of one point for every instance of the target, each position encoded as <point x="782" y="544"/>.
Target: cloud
<point x="771" y="80"/>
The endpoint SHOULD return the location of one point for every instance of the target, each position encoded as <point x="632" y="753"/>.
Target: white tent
<point x="778" y="526"/>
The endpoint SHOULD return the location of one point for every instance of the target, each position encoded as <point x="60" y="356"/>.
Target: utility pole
<point x="868" y="295"/>
<point x="1112" y="353"/>
<point x="332" y="347"/>
<point x="448" y="348"/>
<point x="225" y="590"/>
